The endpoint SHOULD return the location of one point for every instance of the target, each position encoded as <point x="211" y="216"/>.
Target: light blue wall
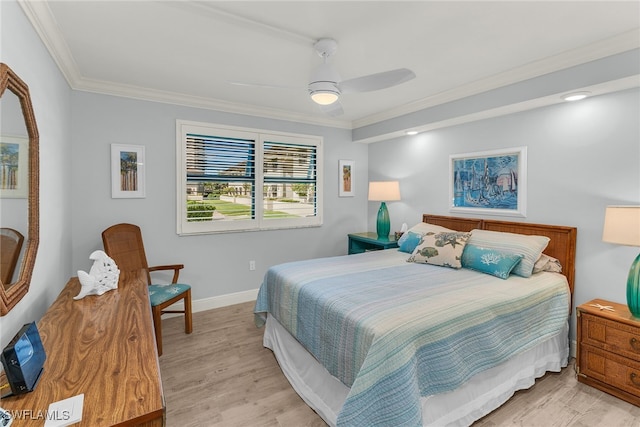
<point x="23" y="51"/>
<point x="215" y="264"/>
<point x="76" y="130"/>
<point x="582" y="156"/>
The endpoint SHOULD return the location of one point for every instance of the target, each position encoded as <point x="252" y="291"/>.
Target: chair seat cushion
<point x="161" y="293"/>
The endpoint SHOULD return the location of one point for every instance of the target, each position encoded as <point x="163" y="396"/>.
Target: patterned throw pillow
<point x="490" y="261"/>
<point x="442" y="248"/>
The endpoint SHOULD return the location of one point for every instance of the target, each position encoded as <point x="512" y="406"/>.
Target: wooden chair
<point x="123" y="243"/>
<point x="10" y="247"/>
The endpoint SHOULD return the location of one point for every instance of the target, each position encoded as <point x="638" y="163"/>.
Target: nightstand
<point x="363" y="242"/>
<point x="608" y="353"/>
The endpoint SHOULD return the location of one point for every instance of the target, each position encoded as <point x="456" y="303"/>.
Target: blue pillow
<point x="490" y="261"/>
<point x="409" y="243"/>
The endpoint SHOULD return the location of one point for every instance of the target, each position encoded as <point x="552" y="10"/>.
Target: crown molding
<point x="40" y="16"/>
<point x="598" y="89"/>
<point x="618" y="44"/>
<point x="145" y="94"/>
<point x="42" y="20"/>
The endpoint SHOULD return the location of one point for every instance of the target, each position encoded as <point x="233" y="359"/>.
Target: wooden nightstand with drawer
<point x="608" y="353"/>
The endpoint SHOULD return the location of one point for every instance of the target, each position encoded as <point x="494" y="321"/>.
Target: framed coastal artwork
<point x="489" y="182"/>
<point x="14" y="167"/>
<point x="346" y="169"/>
<point x="127" y="171"/>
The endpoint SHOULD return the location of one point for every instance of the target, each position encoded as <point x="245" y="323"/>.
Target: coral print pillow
<point x="442" y="248"/>
<point x="490" y="261"/>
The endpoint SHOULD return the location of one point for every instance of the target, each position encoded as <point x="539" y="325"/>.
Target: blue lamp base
<point x="383" y="225"/>
<point x="633" y="287"/>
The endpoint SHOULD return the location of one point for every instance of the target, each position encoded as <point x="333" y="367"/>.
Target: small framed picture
<point x="14" y="167"/>
<point x="127" y="171"/>
<point x="345" y="169"/>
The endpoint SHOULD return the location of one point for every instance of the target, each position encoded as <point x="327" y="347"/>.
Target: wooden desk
<point x="102" y="346"/>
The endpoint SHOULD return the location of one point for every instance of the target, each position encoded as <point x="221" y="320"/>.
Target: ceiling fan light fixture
<point x="324" y="93"/>
<point x="324" y="98"/>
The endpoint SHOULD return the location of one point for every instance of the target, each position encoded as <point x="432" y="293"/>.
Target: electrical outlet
<point x="252" y="265"/>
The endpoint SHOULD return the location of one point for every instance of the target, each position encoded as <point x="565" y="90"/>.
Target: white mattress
<point x="482" y="394"/>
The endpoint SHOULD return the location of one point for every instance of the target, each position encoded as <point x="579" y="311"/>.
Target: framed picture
<point x="127" y="171"/>
<point x="14" y="167"/>
<point x="489" y="182"/>
<point x="345" y="169"/>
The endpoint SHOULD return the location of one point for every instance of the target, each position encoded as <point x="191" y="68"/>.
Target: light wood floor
<point x="221" y="375"/>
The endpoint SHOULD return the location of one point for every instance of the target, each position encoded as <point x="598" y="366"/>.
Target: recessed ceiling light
<point x="575" y="96"/>
<point x="411" y="132"/>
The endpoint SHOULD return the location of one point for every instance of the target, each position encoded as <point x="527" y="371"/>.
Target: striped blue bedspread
<point x="394" y="331"/>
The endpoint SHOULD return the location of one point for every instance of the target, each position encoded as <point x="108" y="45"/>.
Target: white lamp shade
<point x="384" y="191"/>
<point x="622" y="225"/>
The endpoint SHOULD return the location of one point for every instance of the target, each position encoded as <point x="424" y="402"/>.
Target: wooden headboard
<point x="561" y="246"/>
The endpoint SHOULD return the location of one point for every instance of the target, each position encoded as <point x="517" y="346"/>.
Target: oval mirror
<point x="19" y="186"/>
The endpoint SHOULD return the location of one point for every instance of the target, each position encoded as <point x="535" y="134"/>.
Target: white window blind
<point x="289" y="175"/>
<point x="232" y="179"/>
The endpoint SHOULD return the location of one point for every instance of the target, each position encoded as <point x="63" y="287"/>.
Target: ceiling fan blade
<point x="377" y="81"/>
<point x="332" y="110"/>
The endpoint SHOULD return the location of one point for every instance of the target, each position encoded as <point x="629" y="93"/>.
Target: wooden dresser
<point x="609" y="349"/>
<point x="102" y="346"/>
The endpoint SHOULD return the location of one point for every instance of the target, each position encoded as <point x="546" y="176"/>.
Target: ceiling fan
<point x="326" y="86"/>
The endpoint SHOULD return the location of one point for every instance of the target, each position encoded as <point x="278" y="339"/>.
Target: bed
<point x="374" y="340"/>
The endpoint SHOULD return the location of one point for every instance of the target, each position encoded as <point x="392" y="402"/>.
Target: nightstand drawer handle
<point x="634" y="379"/>
<point x="635" y="344"/>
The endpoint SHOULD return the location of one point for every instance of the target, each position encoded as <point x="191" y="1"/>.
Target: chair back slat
<point x="123" y="243"/>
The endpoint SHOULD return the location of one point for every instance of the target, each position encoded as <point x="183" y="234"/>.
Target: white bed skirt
<point x="482" y="394"/>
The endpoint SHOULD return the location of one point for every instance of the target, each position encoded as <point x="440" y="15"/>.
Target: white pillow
<point x="421" y="228"/>
<point x="529" y="246"/>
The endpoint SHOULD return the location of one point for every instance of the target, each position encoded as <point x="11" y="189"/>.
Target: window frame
<point x="260" y="136"/>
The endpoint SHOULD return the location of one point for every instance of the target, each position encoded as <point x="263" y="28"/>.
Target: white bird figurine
<point x="102" y="277"/>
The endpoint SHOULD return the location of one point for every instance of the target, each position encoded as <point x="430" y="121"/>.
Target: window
<point x="234" y="179"/>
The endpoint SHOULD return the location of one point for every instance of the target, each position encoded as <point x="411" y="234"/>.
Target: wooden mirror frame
<point x="12" y="293"/>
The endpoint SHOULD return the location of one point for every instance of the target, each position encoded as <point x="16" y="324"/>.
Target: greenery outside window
<point x="235" y="179"/>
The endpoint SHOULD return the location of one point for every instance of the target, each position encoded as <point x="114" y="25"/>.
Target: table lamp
<point x="622" y="226"/>
<point x="383" y="191"/>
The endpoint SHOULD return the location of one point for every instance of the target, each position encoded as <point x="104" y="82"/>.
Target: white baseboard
<point x="216" y="302"/>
